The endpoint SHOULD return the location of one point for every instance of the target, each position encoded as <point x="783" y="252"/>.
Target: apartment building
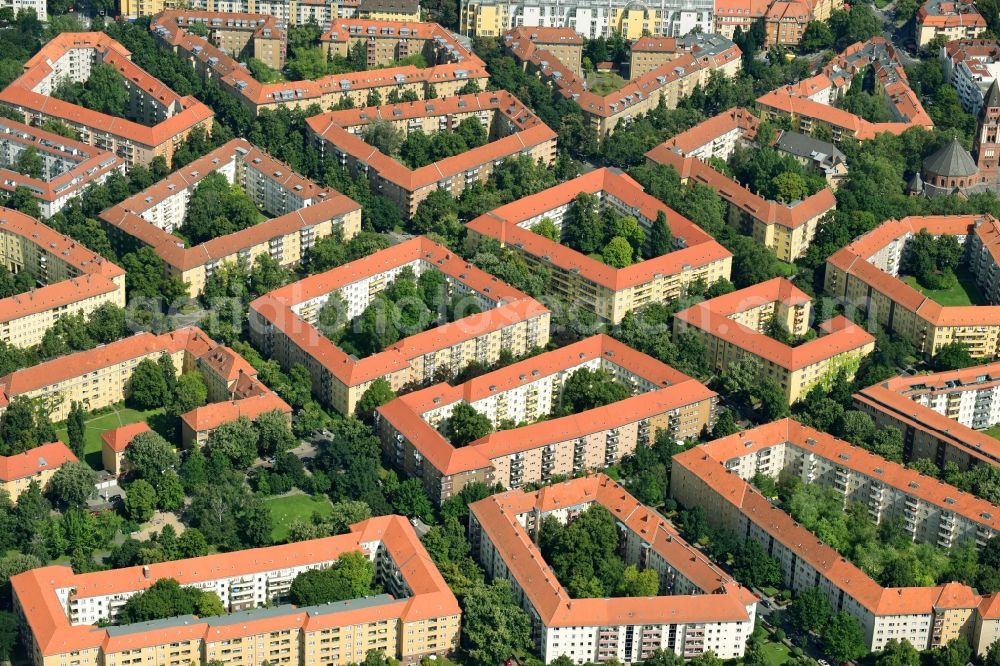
<point x="700" y="54"/>
<point x="451" y="66"/>
<point x="786" y="228"/>
<point x="865" y="275"/>
<point x="951" y="19"/>
<point x="714" y="476"/>
<point x="38" y="6"/>
<point x="68" y="167"/>
<point x="198" y="424"/>
<point x="513" y="130"/>
<point x="389" y="10"/>
<point x="99" y="377"/>
<point x="662" y="399"/>
<point x="565" y="44"/>
<point x="589" y="283"/>
<point x="671" y="18"/>
<point x="283" y="324"/>
<point x="971" y="66"/>
<point x="115" y="441"/>
<point x="820" y="157"/>
<point x="301" y="212"/>
<point x="71" y="279"/>
<point x="158" y="119"/>
<point x="784" y="21"/>
<point x="940" y="415"/>
<point x="417" y="616"/>
<point x="700" y="608"/>
<point x="288" y="12"/>
<point x="37" y="465"/>
<point x="241" y="35"/>
<point x="733" y="326"/>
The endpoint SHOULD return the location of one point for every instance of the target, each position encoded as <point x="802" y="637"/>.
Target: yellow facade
<point x="15" y="487"/>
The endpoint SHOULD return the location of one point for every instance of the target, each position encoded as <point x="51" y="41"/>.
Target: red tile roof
<point x="212" y="416"/>
<point x="837" y="336"/>
<point x="36" y="590"/>
<point x="722" y="600"/>
<point x="767" y="211"/>
<point x="119" y="438"/>
<point x="459" y="64"/>
<point x="325" y="204"/>
<point x="31" y="462"/>
<point x="673" y="389"/>
<point x="706" y="463"/>
<point x="276" y="308"/>
<point x="854" y="261"/>
<point x="188" y="112"/>
<point x="339" y="129"/>
<point x="503" y="224"/>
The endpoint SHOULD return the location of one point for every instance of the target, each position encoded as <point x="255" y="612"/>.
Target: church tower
<point x="988" y="135"/>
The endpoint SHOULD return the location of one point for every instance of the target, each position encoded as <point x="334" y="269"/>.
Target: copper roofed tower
<point x="950" y="169"/>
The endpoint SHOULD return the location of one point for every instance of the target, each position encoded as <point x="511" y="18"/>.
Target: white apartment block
<point x="699" y="607"/>
<point x="714" y="476"/>
<point x="971" y="66"/>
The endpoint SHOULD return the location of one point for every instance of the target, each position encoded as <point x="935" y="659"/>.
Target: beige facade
<point x="588" y="283"/>
<point x="734" y="326"/>
<point x="73" y="280"/>
<point x="37" y="465"/>
<point x="512" y="128"/>
<point x="416" y="617"/>
<point x="864" y="275"/>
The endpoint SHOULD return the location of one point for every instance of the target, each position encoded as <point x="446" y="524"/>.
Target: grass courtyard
<point x="776" y="654"/>
<point x="288" y="508"/>
<point x="97" y="425"/>
<point x="993" y="432"/>
<point x="965" y="291"/>
<point x="604" y="83"/>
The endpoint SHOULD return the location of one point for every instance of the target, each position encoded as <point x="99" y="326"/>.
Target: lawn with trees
<point x="417" y="148"/>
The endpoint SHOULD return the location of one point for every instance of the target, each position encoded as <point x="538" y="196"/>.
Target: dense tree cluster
<point x="166" y="598"/>
<point x="933" y="260"/>
<point x="217" y="208"/>
<point x="584" y="554"/>
<point x="774" y="175"/>
<point x="407" y="306"/>
<point x="419" y="149"/>
<point x="104" y="91"/>
<point x="603" y="234"/>
<point x="351" y="576"/>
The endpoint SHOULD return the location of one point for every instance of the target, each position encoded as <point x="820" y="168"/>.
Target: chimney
<point x="145" y="571"/>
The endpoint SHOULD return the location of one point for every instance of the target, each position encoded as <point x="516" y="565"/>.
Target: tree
<point x="169" y="492"/>
<point x="636" y="583"/>
<point x="76" y="427"/>
<point x="817" y="36"/>
<point x="73" y="484"/>
<point x="377" y="394"/>
<point x="789" y="186"/>
<point x="617" y="253"/>
<point x="149" y="456"/>
<point x="466" y="425"/>
<point x="588" y="389"/>
<point x="147" y="388"/>
<point x="773" y="403"/>
<point x="140" y="501"/>
<point x="350" y="577"/>
<point x="752" y="565"/>
<point x="898" y="653"/>
<point x="810" y="610"/>
<point x="493" y="625"/>
<point x="660" y="236"/>
<point x="409" y="499"/>
<point x="583" y="228"/>
<point x="274" y="436"/>
<point x="29" y="163"/>
<point x="725" y="424"/>
<point x="166" y="598"/>
<point x="192" y="543"/>
<point x="189" y="393"/>
<point x="547" y="228"/>
<point x="234" y="442"/>
<point x="844" y="639"/>
<point x="953" y="356"/>
<point x="106" y="323"/>
<point x="383" y="136"/>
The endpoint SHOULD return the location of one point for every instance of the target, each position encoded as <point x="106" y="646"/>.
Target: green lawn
<point x="776" y="654"/>
<point x="993" y="432"/>
<point x="604" y="83"/>
<point x="965" y="291"/>
<point x="95" y="426"/>
<point x="286" y="509"/>
<point x="785" y="269"/>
